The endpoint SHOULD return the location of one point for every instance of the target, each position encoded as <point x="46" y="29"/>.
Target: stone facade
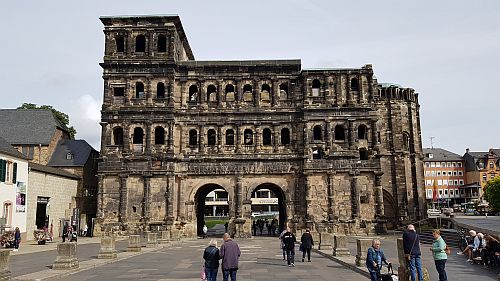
<point x="340" y="151"/>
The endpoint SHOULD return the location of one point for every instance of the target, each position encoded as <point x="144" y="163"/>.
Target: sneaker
<point x="293" y="264"/>
<point x="309" y="261"/>
<point x="289" y="265"/>
<point x="302" y="260"/>
<point x="460" y="253"/>
<point x="469" y="260"/>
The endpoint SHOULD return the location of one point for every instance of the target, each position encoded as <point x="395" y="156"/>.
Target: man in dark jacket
<point x="289" y="244"/>
<point x="230" y="255"/>
<point x="307" y="243"/>
<point x="211" y="257"/>
<point x="411" y="247"/>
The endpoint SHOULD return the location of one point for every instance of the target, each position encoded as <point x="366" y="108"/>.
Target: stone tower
<point x="340" y="151"/>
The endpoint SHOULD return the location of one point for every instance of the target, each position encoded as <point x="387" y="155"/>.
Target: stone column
<point x="238" y="138"/>
<point x="256" y="93"/>
<point x="5" y="273"/>
<point x="219" y="138"/>
<point x="275" y="92"/>
<point x="169" y="197"/>
<point x="126" y="138"/>
<point x="328" y="135"/>
<point x="238" y="200"/>
<point x="362" y="249"/>
<point x="152" y="240"/>
<point x="105" y="137"/>
<point x="258" y="138"/>
<point x="66" y="256"/>
<point x="134" y="243"/>
<point x="331" y="195"/>
<point x="183" y="95"/>
<point x="350" y="133"/>
<point x="355" y="195"/>
<point x="201" y="143"/>
<point x="170" y="140"/>
<point x="148" y="137"/>
<point x="147" y="197"/>
<point x="340" y="248"/>
<point x="374" y="131"/>
<point x="379" y="195"/>
<point x="276" y="136"/>
<point x="122" y="206"/>
<point x="108" y="248"/>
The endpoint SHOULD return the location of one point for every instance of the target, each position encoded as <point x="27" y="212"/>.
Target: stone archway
<point x="268" y="207"/>
<point x="390" y="210"/>
<point x="200" y="204"/>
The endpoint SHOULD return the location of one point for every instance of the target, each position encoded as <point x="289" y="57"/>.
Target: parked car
<point x="433" y="213"/>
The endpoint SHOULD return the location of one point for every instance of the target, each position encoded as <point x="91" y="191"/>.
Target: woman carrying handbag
<point x="211" y="266"/>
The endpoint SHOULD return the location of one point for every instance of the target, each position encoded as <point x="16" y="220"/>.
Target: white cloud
<point x="85" y="116"/>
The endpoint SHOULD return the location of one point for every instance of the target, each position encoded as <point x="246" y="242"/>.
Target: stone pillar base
<point x="134" y="243"/>
<point x="340" y="246"/>
<point x="325" y="241"/>
<point x="5" y="274"/>
<point x="66" y="256"/>
<point x="362" y="245"/>
<point x="152" y="240"/>
<point x="108" y="249"/>
<point x="164" y="237"/>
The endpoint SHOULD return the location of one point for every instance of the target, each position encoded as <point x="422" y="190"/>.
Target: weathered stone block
<point x="66" y="256"/>
<point x="164" y="237"/>
<point x="362" y="249"/>
<point x="4" y="265"/>
<point x="316" y="239"/>
<point x="340" y="248"/>
<point x="108" y="248"/>
<point x="325" y="242"/>
<point x="134" y="243"/>
<point x="152" y="240"/>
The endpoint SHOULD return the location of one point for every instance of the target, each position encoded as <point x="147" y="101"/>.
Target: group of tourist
<point x="229" y="253"/>
<point x="483" y="249"/>
<point x="264" y="224"/>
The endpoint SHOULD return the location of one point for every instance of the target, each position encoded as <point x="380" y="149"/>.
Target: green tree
<point x="61" y="116"/>
<point x="492" y="193"/>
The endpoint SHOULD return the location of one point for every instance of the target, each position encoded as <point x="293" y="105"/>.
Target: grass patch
<point x="212" y="223"/>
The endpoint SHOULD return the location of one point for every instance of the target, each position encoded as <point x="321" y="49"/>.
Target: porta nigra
<point x="341" y="151"/>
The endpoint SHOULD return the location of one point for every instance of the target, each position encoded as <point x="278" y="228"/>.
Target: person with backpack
<point x="411" y="247"/>
<point x="439" y="254"/>
<point x="211" y="256"/>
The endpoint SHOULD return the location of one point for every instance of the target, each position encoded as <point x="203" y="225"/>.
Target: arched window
<point x="120" y="44"/>
<point x="363" y="154"/>
<point x="362" y="132"/>
<point x="162" y="43"/>
<point x="193" y="93"/>
<point x="317" y="153"/>
<point x="160" y="90"/>
<point x="315" y="88"/>
<point x="230" y="92"/>
<point x="139" y="90"/>
<point x="247" y="93"/>
<point x="265" y="93"/>
<point x="285" y="136"/>
<point x="284" y="91"/>
<point x="159" y="135"/>
<point x="248" y="137"/>
<point x="212" y="137"/>
<point x="138" y="135"/>
<point x="230" y="137"/>
<point x="140" y="43"/>
<point x="211" y="93"/>
<point x="354" y="84"/>
<point x="406" y="141"/>
<point x="117" y="136"/>
<point x="339" y="132"/>
<point x="317" y="133"/>
<point x="266" y="137"/>
<point x="193" y="137"/>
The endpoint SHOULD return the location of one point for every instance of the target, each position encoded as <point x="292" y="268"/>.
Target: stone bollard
<point x="134" y="243"/>
<point x="325" y="241"/>
<point x="340" y="246"/>
<point x="152" y="240"/>
<point x="4" y="265"/>
<point x="403" y="270"/>
<point x="108" y="248"/>
<point x="164" y="237"/>
<point x="316" y="239"/>
<point x="362" y="245"/>
<point x="66" y="256"/>
<point x="298" y="233"/>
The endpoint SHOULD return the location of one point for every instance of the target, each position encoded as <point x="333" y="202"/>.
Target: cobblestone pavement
<point x="261" y="260"/>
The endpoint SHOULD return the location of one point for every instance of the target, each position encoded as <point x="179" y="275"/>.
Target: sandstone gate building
<point x="339" y="149"/>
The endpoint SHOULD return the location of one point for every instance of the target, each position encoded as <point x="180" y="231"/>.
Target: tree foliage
<point x="492" y="193"/>
<point x="61" y="116"/>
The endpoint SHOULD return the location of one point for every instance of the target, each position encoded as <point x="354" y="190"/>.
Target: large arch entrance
<point x="268" y="210"/>
<point x="390" y="211"/>
<point x="212" y="208"/>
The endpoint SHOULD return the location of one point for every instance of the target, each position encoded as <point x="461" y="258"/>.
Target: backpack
<point x="447" y="250"/>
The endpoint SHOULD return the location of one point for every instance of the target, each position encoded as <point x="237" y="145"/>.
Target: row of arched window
<point x="316" y="86"/>
<point x="141" y="43"/>
<point x="339" y="132"/>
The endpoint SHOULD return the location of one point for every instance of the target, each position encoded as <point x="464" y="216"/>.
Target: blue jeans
<point x="226" y="273"/>
<point x="440" y="264"/>
<point x="373" y="276"/>
<point x="290" y="256"/>
<point x="415" y="265"/>
<point x="211" y="274"/>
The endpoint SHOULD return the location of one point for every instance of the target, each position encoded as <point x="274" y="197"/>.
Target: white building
<point x="13" y="188"/>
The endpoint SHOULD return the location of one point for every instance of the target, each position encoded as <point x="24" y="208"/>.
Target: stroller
<point x="389" y="276"/>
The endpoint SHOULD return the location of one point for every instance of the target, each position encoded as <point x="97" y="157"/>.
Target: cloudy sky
<point x="448" y="51"/>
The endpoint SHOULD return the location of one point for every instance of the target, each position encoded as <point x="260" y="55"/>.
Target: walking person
<point x="205" y="231"/>
<point x="438" y="250"/>
<point x="282" y="245"/>
<point x="17" y="239"/>
<point x="307" y="243"/>
<point x="211" y="257"/>
<point x="85" y="229"/>
<point x="230" y="255"/>
<point x="289" y="244"/>
<point x="411" y="247"/>
<point x="374" y="259"/>
<point x="65" y="232"/>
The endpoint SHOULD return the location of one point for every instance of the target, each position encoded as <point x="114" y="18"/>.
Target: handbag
<point x="203" y="274"/>
<point x="408" y="256"/>
<point x="301" y="247"/>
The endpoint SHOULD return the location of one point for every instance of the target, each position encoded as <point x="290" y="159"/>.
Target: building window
<point x="433" y="173"/>
<point x="119" y="91"/>
<point x="139" y="90"/>
<point x="160" y="90"/>
<point x="492" y="165"/>
<point x="438" y="173"/>
<point x="212" y="137"/>
<point x="69" y="156"/>
<point x="138" y="135"/>
<point x="230" y="137"/>
<point x="317" y="153"/>
<point x="284" y="91"/>
<point x="461" y="182"/>
<point x="315" y="88"/>
<point x="354" y="84"/>
<point x="455" y="182"/>
<point x="427" y="164"/>
<point x="28" y="151"/>
<point x="162" y="44"/>
<point x="459" y="164"/>
<point x="484" y="177"/>
<point x="247" y="93"/>
<point x="230" y="92"/>
<point x="7" y="213"/>
<point x="449" y="173"/>
<point x="339" y="133"/>
<point x="159" y="135"/>
<point x="406" y="141"/>
<point x="492" y="176"/>
<point x="317" y="134"/>
<point x="211" y="93"/>
<point x="266" y="137"/>
<point x="363" y="154"/>
<point x="120" y="44"/>
<point x="362" y="132"/>
<point x="118" y="136"/>
<point x="248" y="137"/>
<point x="140" y="43"/>
<point x="460" y="173"/>
<point x="265" y="93"/>
<point x="440" y="182"/>
<point x="193" y="93"/>
<point x="443" y="164"/>
<point x="433" y="164"/>
<point x="445" y="182"/>
<point x="454" y="164"/>
<point x="193" y="137"/>
<point x="448" y="164"/>
<point x="285" y="136"/>
<point x="427" y="173"/>
<point x="438" y="165"/>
